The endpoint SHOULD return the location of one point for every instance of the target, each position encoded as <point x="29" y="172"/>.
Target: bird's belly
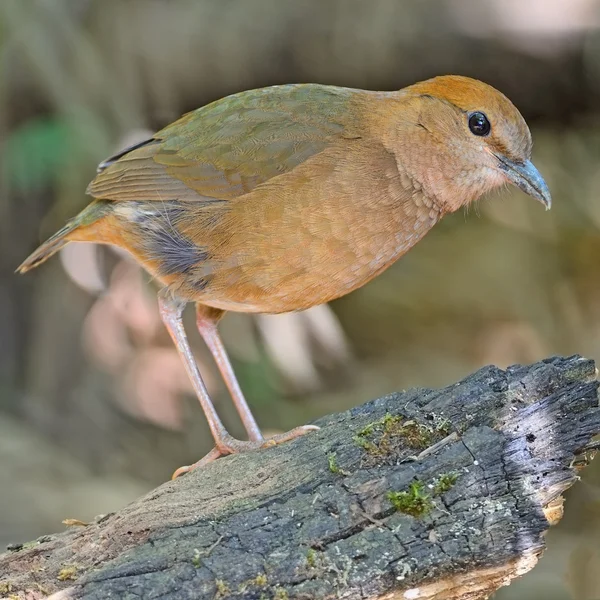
<point x="304" y="277"/>
<point x="303" y="292"/>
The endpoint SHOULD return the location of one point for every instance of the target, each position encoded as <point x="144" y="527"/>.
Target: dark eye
<point x="479" y="124"/>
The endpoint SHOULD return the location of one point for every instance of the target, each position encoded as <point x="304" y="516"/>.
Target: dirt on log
<point x="424" y="494"/>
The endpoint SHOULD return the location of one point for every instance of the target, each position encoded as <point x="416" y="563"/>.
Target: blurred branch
<point x="430" y="494"/>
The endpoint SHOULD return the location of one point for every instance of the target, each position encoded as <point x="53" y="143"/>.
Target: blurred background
<point x="95" y="408"/>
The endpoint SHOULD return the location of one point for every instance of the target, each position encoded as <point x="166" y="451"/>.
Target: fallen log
<point x="424" y="494"/>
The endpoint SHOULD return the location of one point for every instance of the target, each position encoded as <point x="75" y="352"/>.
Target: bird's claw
<point x="230" y="445"/>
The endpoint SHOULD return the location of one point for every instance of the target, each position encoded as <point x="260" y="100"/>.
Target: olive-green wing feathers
<point x="227" y="148"/>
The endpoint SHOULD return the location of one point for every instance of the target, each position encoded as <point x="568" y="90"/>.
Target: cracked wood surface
<point x="479" y="466"/>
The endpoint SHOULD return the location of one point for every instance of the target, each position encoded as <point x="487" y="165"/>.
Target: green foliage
<point x="36" y="152"/>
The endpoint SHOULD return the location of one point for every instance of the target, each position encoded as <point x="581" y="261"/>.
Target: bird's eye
<point x="479" y="124"/>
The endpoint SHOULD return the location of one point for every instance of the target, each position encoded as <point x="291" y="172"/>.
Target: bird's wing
<point x="227" y="148"/>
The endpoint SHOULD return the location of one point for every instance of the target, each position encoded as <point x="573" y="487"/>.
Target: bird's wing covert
<point x="227" y="148"/>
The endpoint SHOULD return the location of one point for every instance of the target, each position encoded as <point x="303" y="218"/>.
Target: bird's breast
<point x="309" y="240"/>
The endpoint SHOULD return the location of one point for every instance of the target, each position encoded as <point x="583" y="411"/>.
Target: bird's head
<point x="477" y="141"/>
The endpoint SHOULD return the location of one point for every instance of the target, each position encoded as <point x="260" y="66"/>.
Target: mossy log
<point x="422" y="494"/>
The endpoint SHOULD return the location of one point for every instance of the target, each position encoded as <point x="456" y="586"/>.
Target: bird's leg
<point x="171" y="310"/>
<point x="207" y="320"/>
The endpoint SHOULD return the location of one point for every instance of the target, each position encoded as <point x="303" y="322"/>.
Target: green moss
<point x="280" y="594"/>
<point x="387" y="423"/>
<point x="5" y="587"/>
<point x="365" y="444"/>
<point x="196" y="558"/>
<point x="29" y="545"/>
<point x="444" y="483"/>
<point x="442" y="425"/>
<point x="332" y="460"/>
<point x="259" y="581"/>
<point x="414" y="501"/>
<point x="67" y="573"/>
<point x="416" y="435"/>
<point x="367" y="430"/>
<point x="316" y="562"/>
<point x="392" y="434"/>
<point x="333" y="465"/>
<point x="222" y="589"/>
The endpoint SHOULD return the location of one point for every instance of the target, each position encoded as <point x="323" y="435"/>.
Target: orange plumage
<point x="282" y="198"/>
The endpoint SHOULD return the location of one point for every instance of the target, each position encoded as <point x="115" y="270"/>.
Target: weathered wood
<point x="319" y="517"/>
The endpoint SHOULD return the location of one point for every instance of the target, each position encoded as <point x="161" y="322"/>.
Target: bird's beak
<point x="527" y="178"/>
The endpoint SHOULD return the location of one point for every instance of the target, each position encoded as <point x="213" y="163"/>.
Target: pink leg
<point x="170" y="312"/>
<point x="207" y="320"/>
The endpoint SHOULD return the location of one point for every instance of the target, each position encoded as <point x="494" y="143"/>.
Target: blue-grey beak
<point x="527" y="178"/>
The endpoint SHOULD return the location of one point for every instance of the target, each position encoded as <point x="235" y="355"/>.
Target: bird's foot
<point x="230" y="445"/>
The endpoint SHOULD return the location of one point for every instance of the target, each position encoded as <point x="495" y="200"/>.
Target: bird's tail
<point x="63" y="236"/>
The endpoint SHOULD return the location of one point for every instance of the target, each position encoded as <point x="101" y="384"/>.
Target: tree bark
<point x="423" y="494"/>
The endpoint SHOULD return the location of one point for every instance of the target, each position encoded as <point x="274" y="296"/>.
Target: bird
<point x="281" y="198"/>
